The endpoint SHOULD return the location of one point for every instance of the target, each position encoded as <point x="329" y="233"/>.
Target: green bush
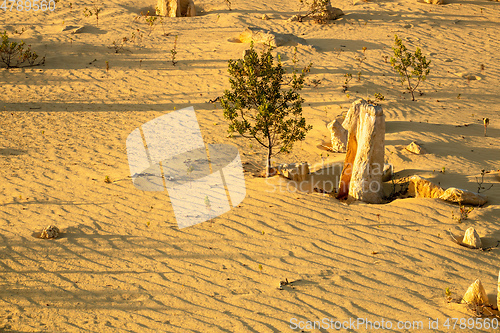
<point x="409" y="65"/>
<point x="262" y="106"/>
<point x="14" y="54"/>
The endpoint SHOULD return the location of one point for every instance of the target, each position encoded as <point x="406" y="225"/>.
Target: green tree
<point x="409" y="65"/>
<point x="262" y="106"/>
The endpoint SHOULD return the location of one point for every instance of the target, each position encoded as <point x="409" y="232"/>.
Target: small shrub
<point x="464" y="213"/>
<point x="118" y="46"/>
<point x="14" y="54"/>
<point x="480" y="183"/>
<point x="137" y="37"/>
<point x="409" y="66"/>
<point x="345" y="86"/>
<point x="150" y="20"/>
<point x="260" y="106"/>
<point x="173" y="51"/>
<point x="315" y="83"/>
<point x="93" y="10"/>
<point x="486" y="122"/>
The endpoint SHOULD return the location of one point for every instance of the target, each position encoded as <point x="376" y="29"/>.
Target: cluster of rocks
<point x="420" y="187"/>
<point x="362" y="135"/>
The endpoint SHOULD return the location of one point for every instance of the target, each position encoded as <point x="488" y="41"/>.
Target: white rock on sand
<point x="338" y="136"/>
<point x="476" y="294"/>
<point x="415" y="148"/>
<point x="472" y="238"/>
<point x="50" y="231"/>
<point x="464" y="197"/>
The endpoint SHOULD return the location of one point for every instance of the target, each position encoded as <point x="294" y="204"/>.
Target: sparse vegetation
<point x="208" y="206"/>
<point x="260" y="106"/>
<point x="119" y="45"/>
<point x="23" y="29"/>
<point x="399" y="188"/>
<point x="409" y="66"/>
<point x="480" y="183"/>
<point x="315" y="83"/>
<point x="486" y="122"/>
<point x="137" y="37"/>
<point x="345" y="86"/>
<point x="464" y="213"/>
<point x="17" y="54"/>
<point x="94" y="10"/>
<point x="379" y="96"/>
<point x="151" y="20"/>
<point x="447" y="293"/>
<point x="173" y="51"/>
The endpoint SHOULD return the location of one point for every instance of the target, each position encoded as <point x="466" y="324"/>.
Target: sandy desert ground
<point x="123" y="265"/>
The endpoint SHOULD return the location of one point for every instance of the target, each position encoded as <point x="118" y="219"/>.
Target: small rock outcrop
<point x="329" y="13"/>
<point x="434" y="2"/>
<point x="50" y="231"/>
<point x="338" y="136"/>
<point x="333" y="12"/>
<point x="176" y="8"/>
<point x="476" y="294"/>
<point x="415" y="149"/>
<point x="361" y="176"/>
<point x="464" y="197"/>
<point x="294" y="171"/>
<point x="422" y="188"/>
<point x="472" y="238"/>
